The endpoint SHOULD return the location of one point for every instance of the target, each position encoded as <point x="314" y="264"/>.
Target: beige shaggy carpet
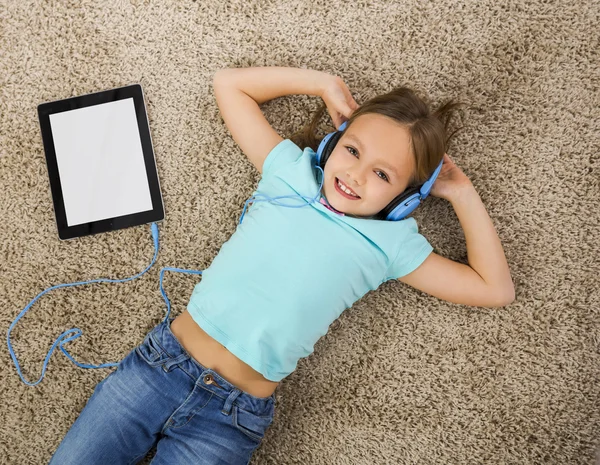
<point x="402" y="377"/>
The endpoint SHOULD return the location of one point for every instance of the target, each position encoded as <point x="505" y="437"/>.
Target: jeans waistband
<point x="164" y="337"/>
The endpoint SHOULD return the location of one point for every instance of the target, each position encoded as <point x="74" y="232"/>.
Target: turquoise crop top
<point x="286" y="274"/>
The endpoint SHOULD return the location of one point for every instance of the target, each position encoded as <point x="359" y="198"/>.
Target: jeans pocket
<point x="151" y="352"/>
<point x="251" y="425"/>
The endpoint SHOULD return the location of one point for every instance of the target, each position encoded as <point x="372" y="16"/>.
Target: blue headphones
<point x="404" y="204"/>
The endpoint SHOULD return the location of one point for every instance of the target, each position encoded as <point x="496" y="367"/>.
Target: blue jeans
<point x="160" y="396"/>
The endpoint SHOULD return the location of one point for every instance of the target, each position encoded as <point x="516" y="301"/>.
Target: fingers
<point x="337" y="122"/>
<point x="343" y="112"/>
<point x="348" y="112"/>
<point x="349" y="109"/>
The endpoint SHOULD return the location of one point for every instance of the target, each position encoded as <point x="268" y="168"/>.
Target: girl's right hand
<point x="339" y="101"/>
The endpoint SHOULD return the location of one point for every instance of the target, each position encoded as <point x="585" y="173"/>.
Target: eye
<point x="351" y="148"/>
<point x="385" y="178"/>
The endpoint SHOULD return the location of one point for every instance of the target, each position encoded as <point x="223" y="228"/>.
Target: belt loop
<point x="235" y="392"/>
<point x="174" y="361"/>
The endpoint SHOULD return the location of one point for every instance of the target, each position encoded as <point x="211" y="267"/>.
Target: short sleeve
<point x="284" y="153"/>
<point x="414" y="249"/>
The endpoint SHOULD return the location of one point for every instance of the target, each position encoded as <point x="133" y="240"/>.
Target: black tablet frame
<point x="110" y="224"/>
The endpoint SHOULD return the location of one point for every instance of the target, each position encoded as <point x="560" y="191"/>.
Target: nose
<point x="356" y="175"/>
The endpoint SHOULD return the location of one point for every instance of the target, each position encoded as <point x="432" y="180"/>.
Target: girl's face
<point x="373" y="160"/>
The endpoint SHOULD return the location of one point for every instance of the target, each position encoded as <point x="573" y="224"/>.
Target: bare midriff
<point x="212" y="354"/>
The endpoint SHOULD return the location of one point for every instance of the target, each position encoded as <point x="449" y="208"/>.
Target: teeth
<point x="346" y="190"/>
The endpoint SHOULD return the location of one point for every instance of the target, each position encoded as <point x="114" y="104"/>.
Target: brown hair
<point x="427" y="129"/>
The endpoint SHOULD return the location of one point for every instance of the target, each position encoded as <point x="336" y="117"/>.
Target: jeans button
<point x="208" y="379"/>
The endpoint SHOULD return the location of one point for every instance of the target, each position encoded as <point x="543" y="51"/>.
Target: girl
<point x="201" y="386"/>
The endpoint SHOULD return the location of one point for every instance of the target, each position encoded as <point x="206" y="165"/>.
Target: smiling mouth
<point x="344" y="193"/>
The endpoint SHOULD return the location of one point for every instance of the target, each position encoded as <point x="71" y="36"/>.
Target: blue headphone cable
<point x="74" y="333"/>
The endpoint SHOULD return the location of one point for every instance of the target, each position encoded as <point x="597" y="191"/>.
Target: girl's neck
<point x="324" y="201"/>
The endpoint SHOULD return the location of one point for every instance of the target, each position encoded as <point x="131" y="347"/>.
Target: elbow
<point x="504" y="298"/>
<point x="217" y="76"/>
<point x="222" y="74"/>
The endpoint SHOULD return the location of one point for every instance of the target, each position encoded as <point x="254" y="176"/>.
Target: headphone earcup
<point x="405" y="203"/>
<point x="328" y="144"/>
<point x="401" y="206"/>
<point x="328" y="148"/>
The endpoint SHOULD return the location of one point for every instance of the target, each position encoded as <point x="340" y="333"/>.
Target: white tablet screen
<point x="100" y="162"/>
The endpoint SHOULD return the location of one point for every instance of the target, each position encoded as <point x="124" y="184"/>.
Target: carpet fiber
<point x="402" y="377"/>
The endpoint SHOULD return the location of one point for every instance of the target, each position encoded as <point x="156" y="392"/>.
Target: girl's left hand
<point x="450" y="180"/>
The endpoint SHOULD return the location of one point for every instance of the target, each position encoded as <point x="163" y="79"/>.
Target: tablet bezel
<point x="134" y="91"/>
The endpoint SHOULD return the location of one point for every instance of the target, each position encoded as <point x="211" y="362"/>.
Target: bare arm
<point x="484" y="250"/>
<point x="269" y="82"/>
<point x="240" y="91"/>
<point x="487" y="281"/>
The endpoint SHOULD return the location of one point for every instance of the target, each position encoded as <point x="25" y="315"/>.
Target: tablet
<point x="100" y="162"/>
